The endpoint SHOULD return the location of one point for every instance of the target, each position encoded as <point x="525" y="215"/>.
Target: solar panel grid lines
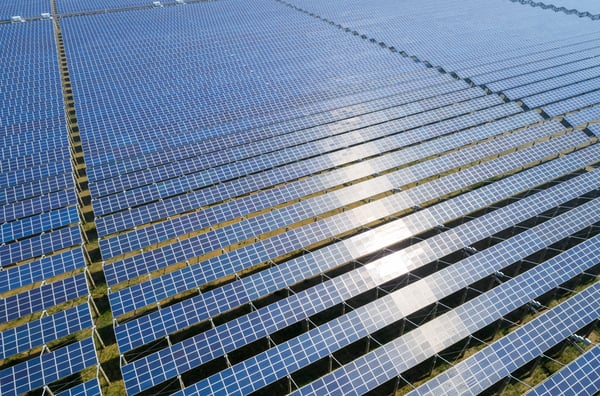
<point x="38" y="270"/>
<point x="164" y="321"/>
<point x="561" y="93"/>
<point x="45" y="330"/>
<point x="579" y="377"/>
<point x="290" y="214"/>
<point x="568" y="45"/>
<point x="40" y="298"/>
<point x="157" y="259"/>
<point x="541" y="77"/>
<point x="552" y="83"/>
<point x="533" y="63"/>
<point x="40" y="204"/>
<point x="219" y="137"/>
<point x="40" y="245"/>
<point x="572" y="104"/>
<point x="192" y="148"/>
<point x="49" y="367"/>
<point x="36" y="188"/>
<point x="29" y="161"/>
<point x="89" y="388"/>
<point x="319" y="342"/>
<point x="223" y="191"/>
<point x="584" y="117"/>
<point x="38" y="224"/>
<point x="191" y="165"/>
<point x="595" y="129"/>
<point x="137" y="239"/>
<point x="525" y="343"/>
<point x="362" y="103"/>
<point x="352" y="142"/>
<point x="35" y="173"/>
<point x="150" y="292"/>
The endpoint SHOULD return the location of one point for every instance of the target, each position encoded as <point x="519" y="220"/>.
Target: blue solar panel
<point x="396" y="95"/>
<point x="24" y="8"/>
<point x="39" y="245"/>
<point x="46" y="296"/>
<point x="223" y="191"/>
<point x="562" y="93"/>
<point x="36" y="188"/>
<point x="457" y="324"/>
<point x="176" y="317"/>
<point x="45" y="330"/>
<point x="584" y="117"/>
<point x="572" y="104"/>
<point x="37" y="224"/>
<point x="531" y="63"/>
<point x="39" y="270"/>
<point x="233" y="209"/>
<point x="252" y="165"/>
<point x="328" y="227"/>
<point x="580" y="377"/>
<point x="43" y="203"/>
<point x="285" y="141"/>
<point x="167" y="285"/>
<point x="78" y="6"/>
<point x="519" y="347"/>
<point x="89" y="388"/>
<point x="39" y="371"/>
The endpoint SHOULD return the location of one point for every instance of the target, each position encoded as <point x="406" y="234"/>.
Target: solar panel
<point x="584" y="117"/>
<point x="308" y="136"/>
<point x="223" y="191"/>
<point x="562" y="93"/>
<point x="580" y="377"/>
<point x="135" y="333"/>
<point x="395" y="95"/>
<point x="385" y="362"/>
<point x="43" y="203"/>
<point x="233" y="209"/>
<point x="531" y="63"/>
<point x="167" y="285"/>
<point x="328" y="227"/>
<point x="39" y="270"/>
<point x="38" y="224"/>
<point x="24" y="8"/>
<point x="49" y="367"/>
<point x="519" y="347"/>
<point x="39" y="245"/>
<point x="44" y="330"/>
<point x="359" y="323"/>
<point x="183" y="184"/>
<point x="275" y="184"/>
<point x="89" y="388"/>
<point x="38" y="299"/>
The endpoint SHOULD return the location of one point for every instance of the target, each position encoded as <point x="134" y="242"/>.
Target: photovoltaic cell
<point x="36" y="372"/>
<point x="44" y="330"/>
<point x="312" y="264"/>
<point x="519" y="347"/>
<point x="306" y="235"/>
<point x="579" y="377"/>
<point x="40" y="298"/>
<point x="89" y="388"/>
<point x="457" y="324"/>
<point x="38" y="270"/>
<point x="176" y="317"/>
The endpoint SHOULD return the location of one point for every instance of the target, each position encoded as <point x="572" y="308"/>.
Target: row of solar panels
<point x="262" y="177"/>
<point x="46" y="322"/>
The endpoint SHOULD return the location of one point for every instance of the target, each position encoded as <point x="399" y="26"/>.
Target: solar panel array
<point x="45" y="320"/>
<point x="333" y="197"/>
